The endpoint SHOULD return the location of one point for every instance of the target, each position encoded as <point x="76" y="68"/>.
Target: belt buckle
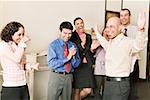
<point x="64" y="73"/>
<point x="118" y="79"/>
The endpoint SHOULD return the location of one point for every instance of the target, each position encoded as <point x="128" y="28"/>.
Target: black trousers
<point x="15" y="93"/>
<point x="134" y="78"/>
<point x="99" y="79"/>
<point x="116" y="90"/>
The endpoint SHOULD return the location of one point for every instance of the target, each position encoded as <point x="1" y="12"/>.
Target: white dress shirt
<point x="119" y="52"/>
<point x="131" y="32"/>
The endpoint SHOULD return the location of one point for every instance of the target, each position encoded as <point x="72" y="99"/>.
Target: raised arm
<point x="101" y="39"/>
<point x="141" y="38"/>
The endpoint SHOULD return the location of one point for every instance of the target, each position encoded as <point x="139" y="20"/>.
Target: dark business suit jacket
<point x="83" y="52"/>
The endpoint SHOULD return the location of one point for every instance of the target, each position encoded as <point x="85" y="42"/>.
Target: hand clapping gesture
<point x="72" y="52"/>
<point x="94" y="45"/>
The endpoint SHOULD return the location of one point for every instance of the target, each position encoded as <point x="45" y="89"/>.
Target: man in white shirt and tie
<point x="131" y="31"/>
<point x="119" y="52"/>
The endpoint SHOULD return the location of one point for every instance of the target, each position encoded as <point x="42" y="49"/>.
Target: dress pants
<point x="134" y="77"/>
<point x="99" y="80"/>
<point x="59" y="85"/>
<point x="116" y="90"/>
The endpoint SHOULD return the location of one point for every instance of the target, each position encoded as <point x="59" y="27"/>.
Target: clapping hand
<point x="94" y="44"/>
<point x="72" y="52"/>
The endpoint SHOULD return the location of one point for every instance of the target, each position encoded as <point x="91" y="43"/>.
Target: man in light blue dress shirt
<point x="60" y="81"/>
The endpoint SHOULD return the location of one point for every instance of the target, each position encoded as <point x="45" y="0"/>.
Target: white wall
<point x="42" y="18"/>
<point x="1" y="13"/>
<point x="114" y="5"/>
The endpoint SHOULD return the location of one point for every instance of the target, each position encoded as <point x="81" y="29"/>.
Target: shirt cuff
<point x="65" y="60"/>
<point x="22" y="45"/>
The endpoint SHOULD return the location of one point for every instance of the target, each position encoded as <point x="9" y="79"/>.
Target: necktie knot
<point x="125" y="32"/>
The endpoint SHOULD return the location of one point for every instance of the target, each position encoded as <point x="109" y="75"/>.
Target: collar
<point x="118" y="37"/>
<point x="62" y="42"/>
<point x="131" y="26"/>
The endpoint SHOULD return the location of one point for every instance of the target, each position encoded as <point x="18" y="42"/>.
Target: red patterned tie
<point x="66" y="52"/>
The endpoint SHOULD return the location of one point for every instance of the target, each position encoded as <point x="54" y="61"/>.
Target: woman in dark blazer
<point x="83" y="75"/>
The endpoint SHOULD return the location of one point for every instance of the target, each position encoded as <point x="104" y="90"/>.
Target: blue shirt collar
<point x="62" y="42"/>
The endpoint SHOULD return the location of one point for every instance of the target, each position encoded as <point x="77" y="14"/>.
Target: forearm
<point x="140" y="41"/>
<point x="56" y="63"/>
<point x="102" y="40"/>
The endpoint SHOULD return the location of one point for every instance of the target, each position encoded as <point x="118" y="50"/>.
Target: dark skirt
<point x="83" y="77"/>
<point x="15" y="93"/>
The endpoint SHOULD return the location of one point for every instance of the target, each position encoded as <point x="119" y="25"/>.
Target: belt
<point x="63" y="73"/>
<point x="118" y="79"/>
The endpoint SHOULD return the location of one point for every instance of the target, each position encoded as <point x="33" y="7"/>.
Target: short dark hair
<point x="127" y="10"/>
<point x="66" y="25"/>
<point x="77" y="19"/>
<point x="9" y="30"/>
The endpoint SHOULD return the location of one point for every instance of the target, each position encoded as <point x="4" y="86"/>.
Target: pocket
<point x="125" y="87"/>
